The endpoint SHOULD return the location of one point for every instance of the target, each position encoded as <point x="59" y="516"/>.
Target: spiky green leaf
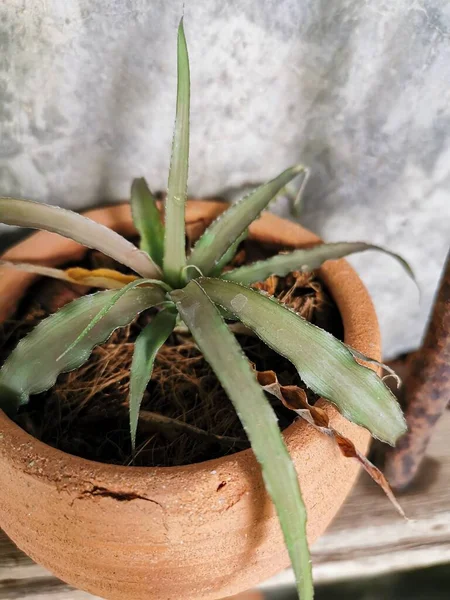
<point x="226" y="229"/>
<point x="25" y="213"/>
<point x="147" y="220"/>
<point x="33" y="366"/>
<point x="305" y="260"/>
<point x="225" y="356"/>
<point x="174" y="239"/>
<point x="229" y="255"/>
<point x="106" y="308"/>
<point x="147" y="345"/>
<point x="324" y="363"/>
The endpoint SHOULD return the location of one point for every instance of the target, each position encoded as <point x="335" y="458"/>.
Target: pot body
<point x="202" y="531"/>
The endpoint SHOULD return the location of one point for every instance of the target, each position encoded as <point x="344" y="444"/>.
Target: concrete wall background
<point x="357" y="90"/>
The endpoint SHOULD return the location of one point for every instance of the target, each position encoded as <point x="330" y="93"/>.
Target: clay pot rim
<point x="341" y="280"/>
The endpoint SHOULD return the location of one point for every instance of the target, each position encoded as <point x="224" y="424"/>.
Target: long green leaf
<point x="232" y="368"/>
<point x="324" y="363"/>
<point x="25" y="213"/>
<point x="174" y="239"/>
<point x="33" y="366"/>
<point x="108" y="306"/>
<point x="225" y="230"/>
<point x="147" y="345"/>
<point x="147" y="220"/>
<point x="229" y="255"/>
<point x="305" y="260"/>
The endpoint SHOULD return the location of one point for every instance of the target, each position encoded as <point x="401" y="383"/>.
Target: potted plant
<point x="208" y="529"/>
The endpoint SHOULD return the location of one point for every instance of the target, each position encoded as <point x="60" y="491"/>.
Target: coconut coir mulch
<point x="186" y="417"/>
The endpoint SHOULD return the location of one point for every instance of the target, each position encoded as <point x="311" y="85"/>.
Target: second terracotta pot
<point x="202" y="531"/>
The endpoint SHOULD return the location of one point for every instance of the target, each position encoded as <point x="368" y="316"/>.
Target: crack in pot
<point x="103" y="492"/>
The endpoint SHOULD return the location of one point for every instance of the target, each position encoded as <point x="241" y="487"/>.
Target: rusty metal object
<point x="427" y="391"/>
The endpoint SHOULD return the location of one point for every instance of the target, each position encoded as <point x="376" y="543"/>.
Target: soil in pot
<point x="186" y="417"/>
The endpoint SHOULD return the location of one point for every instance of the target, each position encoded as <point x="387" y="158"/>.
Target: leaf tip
<point x="181" y="34"/>
<point x="137" y="181"/>
<point x="10" y="400"/>
<point x="400" y="431"/>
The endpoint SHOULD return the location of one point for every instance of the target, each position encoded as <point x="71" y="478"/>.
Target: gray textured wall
<point x="358" y="90"/>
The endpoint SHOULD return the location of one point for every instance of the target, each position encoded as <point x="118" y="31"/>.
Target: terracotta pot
<point x="200" y="531"/>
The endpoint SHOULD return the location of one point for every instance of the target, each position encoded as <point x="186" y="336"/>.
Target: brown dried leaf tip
<point x="295" y="399"/>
